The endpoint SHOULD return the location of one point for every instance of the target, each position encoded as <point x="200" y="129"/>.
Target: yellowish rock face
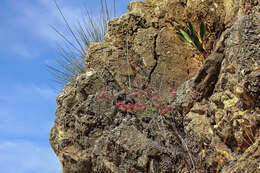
<point x="214" y="124"/>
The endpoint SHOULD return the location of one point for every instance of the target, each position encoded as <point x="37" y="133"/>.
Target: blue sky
<point x="27" y="97"/>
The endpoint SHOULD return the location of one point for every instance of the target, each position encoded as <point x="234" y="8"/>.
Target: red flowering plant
<point x="143" y="103"/>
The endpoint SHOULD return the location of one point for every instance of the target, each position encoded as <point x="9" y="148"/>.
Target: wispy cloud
<point x="26" y="26"/>
<point x="27" y="93"/>
<point x="22" y="51"/>
<point x="24" y="106"/>
<point x="26" y="117"/>
<point x="38" y="16"/>
<point x="32" y="91"/>
<point x="27" y="157"/>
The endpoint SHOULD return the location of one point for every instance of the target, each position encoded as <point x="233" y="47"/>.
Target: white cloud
<point x="27" y="93"/>
<point x="24" y="107"/>
<point x="6" y="144"/>
<point x="32" y="91"/>
<point x="27" y="27"/>
<point x="38" y="17"/>
<point x="22" y="51"/>
<point x="27" y="157"/>
<point x="32" y="96"/>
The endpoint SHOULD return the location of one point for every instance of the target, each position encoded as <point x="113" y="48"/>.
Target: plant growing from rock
<point x="141" y="103"/>
<point x="191" y="38"/>
<point x="72" y="61"/>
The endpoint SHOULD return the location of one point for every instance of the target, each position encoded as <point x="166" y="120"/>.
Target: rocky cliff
<point x="215" y="120"/>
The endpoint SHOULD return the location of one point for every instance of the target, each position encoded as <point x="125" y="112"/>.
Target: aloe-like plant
<point x="73" y="52"/>
<point x="191" y="38"/>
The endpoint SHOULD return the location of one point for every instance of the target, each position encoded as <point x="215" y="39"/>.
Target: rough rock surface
<point x="215" y="124"/>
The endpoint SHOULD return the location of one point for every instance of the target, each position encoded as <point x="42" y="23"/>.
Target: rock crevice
<point x="156" y="57"/>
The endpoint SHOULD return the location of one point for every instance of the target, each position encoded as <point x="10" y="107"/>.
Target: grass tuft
<point x="72" y="60"/>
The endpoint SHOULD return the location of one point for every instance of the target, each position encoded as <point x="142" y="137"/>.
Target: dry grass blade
<point x="70" y="29"/>
<point x="72" y="61"/>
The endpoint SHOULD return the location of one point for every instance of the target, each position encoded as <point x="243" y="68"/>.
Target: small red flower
<point x="155" y="97"/>
<point x="143" y="107"/>
<point x="111" y="98"/>
<point x="164" y="111"/>
<point x="134" y="94"/>
<point x="139" y="104"/>
<point x="129" y="110"/>
<point x="158" y="106"/>
<point x="163" y="103"/>
<point x="129" y="106"/>
<point x="118" y="104"/>
<point x="169" y="108"/>
<point x="122" y="108"/>
<point x="173" y="93"/>
<point x="170" y="88"/>
<point x="101" y="96"/>
<point x="135" y="108"/>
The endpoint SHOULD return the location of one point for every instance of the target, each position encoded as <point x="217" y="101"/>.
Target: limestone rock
<point x="214" y="126"/>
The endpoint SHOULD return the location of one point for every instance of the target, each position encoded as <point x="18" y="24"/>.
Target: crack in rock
<point x="155" y="56"/>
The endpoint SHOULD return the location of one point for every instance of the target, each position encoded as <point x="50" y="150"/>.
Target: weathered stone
<point x="215" y="124"/>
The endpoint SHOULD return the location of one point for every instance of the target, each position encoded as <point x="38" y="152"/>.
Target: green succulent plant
<point x="191" y="38"/>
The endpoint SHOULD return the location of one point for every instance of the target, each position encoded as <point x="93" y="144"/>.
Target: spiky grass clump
<point x="73" y="52"/>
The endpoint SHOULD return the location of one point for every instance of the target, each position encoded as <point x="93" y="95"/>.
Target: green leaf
<point x="186" y="36"/>
<point x="199" y="46"/>
<point x="202" y="30"/>
<point x="181" y="37"/>
<point x="190" y="27"/>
